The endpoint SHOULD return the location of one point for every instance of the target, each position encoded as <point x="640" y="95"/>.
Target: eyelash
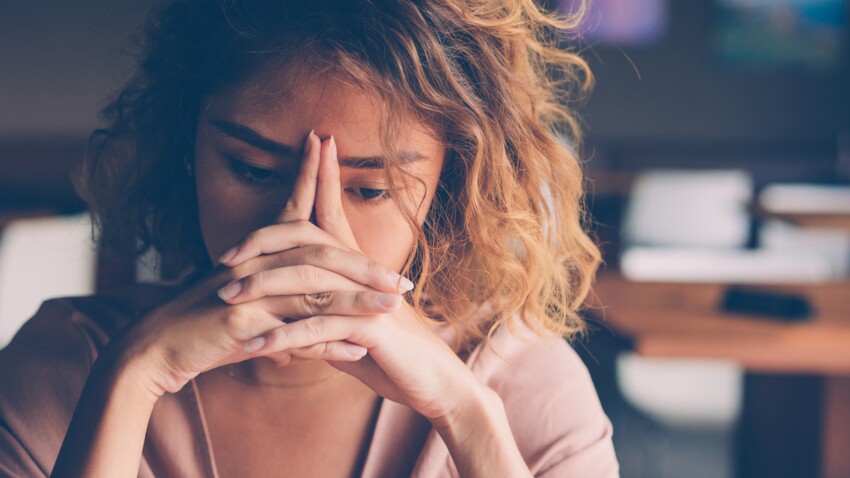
<point x="251" y="175"/>
<point x="248" y="175"/>
<point x="382" y="195"/>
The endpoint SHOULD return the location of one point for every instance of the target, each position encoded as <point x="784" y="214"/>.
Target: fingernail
<point x="309" y="146"/>
<point x="407" y="284"/>
<point x="230" y="290"/>
<point x="230" y="254"/>
<point x="354" y="350"/>
<point x="401" y="282"/>
<point x="389" y="301"/>
<point x="332" y="145"/>
<point x="254" y="344"/>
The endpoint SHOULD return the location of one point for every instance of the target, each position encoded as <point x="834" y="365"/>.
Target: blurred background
<point x="718" y="156"/>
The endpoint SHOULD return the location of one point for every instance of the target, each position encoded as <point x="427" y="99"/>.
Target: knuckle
<point x="317" y="350"/>
<point x="282" y="359"/>
<point x="262" y="281"/>
<point x="314" y="329"/>
<point x="252" y="240"/>
<point x="307" y="274"/>
<point x="326" y="348"/>
<point x="317" y="303"/>
<point x="363" y="301"/>
<point x="322" y="253"/>
<point x="237" y="321"/>
<point x="380" y="322"/>
<point x="292" y="204"/>
<point x="276" y="338"/>
<point x="375" y="268"/>
<point x="264" y="238"/>
<point x="278" y="260"/>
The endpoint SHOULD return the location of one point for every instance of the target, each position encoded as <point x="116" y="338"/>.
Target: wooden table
<point x="683" y="320"/>
<point x="834" y="221"/>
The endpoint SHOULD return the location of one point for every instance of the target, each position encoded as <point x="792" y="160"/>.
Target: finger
<point x="330" y="214"/>
<point x="300" y="279"/>
<point x="336" y="351"/>
<point x="353" y="265"/>
<point x="371" y="374"/>
<point x="280" y="359"/>
<point x="343" y="302"/>
<point x="301" y="202"/>
<point x="286" y="358"/>
<point x="278" y="238"/>
<point x="323" y="328"/>
<point x="340" y="350"/>
<point x="244" y="322"/>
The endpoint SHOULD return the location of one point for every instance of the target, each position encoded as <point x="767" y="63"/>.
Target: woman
<point x="382" y="236"/>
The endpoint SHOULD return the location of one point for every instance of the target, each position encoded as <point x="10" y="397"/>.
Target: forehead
<point x="286" y="103"/>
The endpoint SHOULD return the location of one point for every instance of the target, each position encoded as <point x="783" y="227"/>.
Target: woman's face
<point x="248" y="153"/>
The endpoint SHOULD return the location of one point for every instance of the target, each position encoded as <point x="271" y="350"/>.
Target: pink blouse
<point x="550" y="401"/>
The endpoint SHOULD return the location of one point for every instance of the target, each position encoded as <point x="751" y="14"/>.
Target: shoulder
<point x="71" y="330"/>
<point x="550" y="401"/>
<point x="52" y="350"/>
<point x="56" y="347"/>
<point x="43" y="370"/>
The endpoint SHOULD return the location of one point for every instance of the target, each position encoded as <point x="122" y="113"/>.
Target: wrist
<point x="129" y="369"/>
<point x="132" y="384"/>
<point x="480" y="404"/>
<point x="479" y="437"/>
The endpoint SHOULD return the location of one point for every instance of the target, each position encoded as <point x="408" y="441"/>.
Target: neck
<point x="264" y="395"/>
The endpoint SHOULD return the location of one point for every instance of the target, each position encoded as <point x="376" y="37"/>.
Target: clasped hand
<point x="297" y="290"/>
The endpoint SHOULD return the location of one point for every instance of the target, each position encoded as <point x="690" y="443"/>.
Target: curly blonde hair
<point x="490" y="79"/>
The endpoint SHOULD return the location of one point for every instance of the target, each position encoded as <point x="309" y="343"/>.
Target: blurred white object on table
<point x="689" y="208"/>
<point x="41" y="258"/>
<point x="805" y="199"/>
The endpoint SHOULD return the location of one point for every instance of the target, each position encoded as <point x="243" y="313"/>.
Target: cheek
<point x="384" y="233"/>
<point x="385" y="237"/>
<point x="226" y="216"/>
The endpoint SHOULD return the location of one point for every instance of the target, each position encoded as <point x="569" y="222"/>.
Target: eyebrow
<point x="255" y="139"/>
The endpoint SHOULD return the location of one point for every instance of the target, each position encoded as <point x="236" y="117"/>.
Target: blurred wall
<point x="59" y="61"/>
<point x="679" y="91"/>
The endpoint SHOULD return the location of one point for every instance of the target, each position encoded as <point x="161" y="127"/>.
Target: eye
<point x="369" y="194"/>
<point x="251" y="174"/>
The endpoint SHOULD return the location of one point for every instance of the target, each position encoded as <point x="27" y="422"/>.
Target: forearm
<point x="480" y="439"/>
<point x="107" y="431"/>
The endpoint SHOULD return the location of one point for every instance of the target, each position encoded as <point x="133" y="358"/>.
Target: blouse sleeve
<point x="553" y="409"/>
<point x="42" y="373"/>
